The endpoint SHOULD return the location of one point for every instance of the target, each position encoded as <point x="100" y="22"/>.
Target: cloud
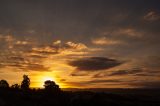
<point x="73" y="45"/>
<point x="16" y="54"/>
<point x="26" y="66"/>
<point x="38" y="56"/>
<point x="68" y="45"/>
<point x="146" y="84"/>
<point x="99" y="75"/>
<point x="57" y="42"/>
<point x="130" y="32"/>
<point x="152" y="62"/>
<point x="106" y="41"/>
<point x="36" y="67"/>
<point x="120" y="37"/>
<point x="10" y="39"/>
<point x="23" y="63"/>
<point x="14" y="44"/>
<point x="152" y="16"/>
<point x="126" y="72"/>
<point x="79" y="73"/>
<point x="58" y="47"/>
<point x="16" y="58"/>
<point x="45" y="50"/>
<point x="29" y="66"/>
<point x="105" y="81"/>
<point x="117" y="83"/>
<point x="125" y="33"/>
<point x="1" y="65"/>
<point x="94" y="63"/>
<point x="63" y="80"/>
<point x="90" y="83"/>
<point x="22" y="43"/>
<point x="7" y="38"/>
<point x="30" y="56"/>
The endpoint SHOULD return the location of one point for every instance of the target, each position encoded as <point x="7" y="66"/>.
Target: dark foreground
<point x="120" y="97"/>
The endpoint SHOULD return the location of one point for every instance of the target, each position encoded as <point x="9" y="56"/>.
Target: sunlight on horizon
<point x="38" y="80"/>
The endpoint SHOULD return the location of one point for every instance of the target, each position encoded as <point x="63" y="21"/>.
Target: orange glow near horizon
<point x="38" y="80"/>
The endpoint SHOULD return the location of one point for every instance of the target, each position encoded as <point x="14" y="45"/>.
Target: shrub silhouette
<point x="25" y="83"/>
<point x="4" y="84"/>
<point x="51" y="86"/>
<point x="15" y="86"/>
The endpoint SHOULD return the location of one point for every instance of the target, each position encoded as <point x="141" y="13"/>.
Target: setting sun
<point x="47" y="78"/>
<point x="42" y="79"/>
<point x="39" y="79"/>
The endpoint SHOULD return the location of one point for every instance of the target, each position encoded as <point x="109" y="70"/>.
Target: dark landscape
<point x="52" y="95"/>
<point x="15" y="97"/>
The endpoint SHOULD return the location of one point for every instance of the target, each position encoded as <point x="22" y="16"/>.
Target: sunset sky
<point x="81" y="43"/>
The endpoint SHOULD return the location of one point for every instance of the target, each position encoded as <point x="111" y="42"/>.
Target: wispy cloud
<point x="29" y="56"/>
<point x="152" y="16"/>
<point x="106" y="41"/>
<point x="126" y="72"/>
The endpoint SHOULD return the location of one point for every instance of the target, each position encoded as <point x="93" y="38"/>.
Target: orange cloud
<point x="22" y="42"/>
<point x="78" y="46"/>
<point x="106" y="41"/>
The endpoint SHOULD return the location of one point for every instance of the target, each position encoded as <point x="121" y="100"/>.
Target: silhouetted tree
<point x="4" y="84"/>
<point x="25" y="83"/>
<point x="51" y="86"/>
<point x="15" y="86"/>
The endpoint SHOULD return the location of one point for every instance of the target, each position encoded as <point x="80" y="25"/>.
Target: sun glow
<point x="47" y="78"/>
<point x="39" y="79"/>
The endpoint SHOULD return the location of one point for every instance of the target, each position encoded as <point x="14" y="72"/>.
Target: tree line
<point x="25" y="84"/>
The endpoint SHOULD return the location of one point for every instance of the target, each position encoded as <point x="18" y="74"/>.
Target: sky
<point x="81" y="43"/>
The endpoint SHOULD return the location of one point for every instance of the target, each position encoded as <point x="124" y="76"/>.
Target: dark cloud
<point x="133" y="72"/>
<point x="95" y="82"/>
<point x="26" y="66"/>
<point x="16" y="58"/>
<point x="45" y="52"/>
<point x="126" y="72"/>
<point x="12" y="61"/>
<point x="22" y="62"/>
<point x="78" y="74"/>
<point x="115" y="82"/>
<point x="81" y="17"/>
<point x="94" y="63"/>
<point x="37" y="56"/>
<point x="99" y="75"/>
<point x="105" y="81"/>
<point x="144" y="74"/>
<point x="36" y="67"/>
<point x="146" y="84"/>
<point x="63" y="80"/>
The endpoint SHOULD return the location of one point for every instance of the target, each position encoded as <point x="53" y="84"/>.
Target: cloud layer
<point x="94" y="63"/>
